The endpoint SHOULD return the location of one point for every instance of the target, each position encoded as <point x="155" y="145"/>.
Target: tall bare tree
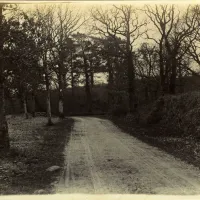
<point x="194" y="41"/>
<point x="147" y="69"/>
<point x="173" y="29"/>
<point x="122" y="21"/>
<point x="44" y="19"/>
<point x="67" y="22"/>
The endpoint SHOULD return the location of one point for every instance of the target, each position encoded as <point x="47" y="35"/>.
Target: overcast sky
<point x="85" y="7"/>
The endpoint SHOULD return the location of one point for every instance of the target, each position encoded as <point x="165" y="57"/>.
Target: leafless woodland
<point x="146" y="59"/>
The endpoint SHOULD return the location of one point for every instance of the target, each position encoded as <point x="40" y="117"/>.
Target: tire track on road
<point x="97" y="181"/>
<point x="100" y="158"/>
<point x="152" y="160"/>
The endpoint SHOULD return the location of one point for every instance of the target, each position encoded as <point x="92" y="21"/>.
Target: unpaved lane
<point x="101" y="159"/>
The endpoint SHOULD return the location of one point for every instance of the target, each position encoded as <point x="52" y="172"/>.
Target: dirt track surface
<point x="101" y="159"/>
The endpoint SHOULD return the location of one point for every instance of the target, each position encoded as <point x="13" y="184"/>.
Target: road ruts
<point x="101" y="159"/>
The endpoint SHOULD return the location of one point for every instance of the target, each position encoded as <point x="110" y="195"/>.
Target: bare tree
<point x="110" y="61"/>
<point x="147" y="68"/>
<point x="194" y="41"/>
<point x="122" y="21"/>
<point x="66" y="23"/>
<point x="173" y="30"/>
<point x="44" y="17"/>
<point x="162" y="17"/>
<point x="85" y="45"/>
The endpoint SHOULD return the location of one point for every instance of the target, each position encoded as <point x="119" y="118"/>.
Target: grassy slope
<point x="34" y="148"/>
<point x="175" y="126"/>
<point x="184" y="148"/>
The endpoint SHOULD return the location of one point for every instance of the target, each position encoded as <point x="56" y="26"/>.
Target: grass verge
<point x="34" y="148"/>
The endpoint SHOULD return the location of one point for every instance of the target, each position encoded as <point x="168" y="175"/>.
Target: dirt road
<point x="101" y="159"/>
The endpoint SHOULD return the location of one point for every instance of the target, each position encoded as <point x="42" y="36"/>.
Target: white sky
<point x="84" y="6"/>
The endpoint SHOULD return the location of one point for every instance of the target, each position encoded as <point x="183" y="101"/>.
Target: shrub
<point x="178" y="114"/>
<point x="156" y="113"/>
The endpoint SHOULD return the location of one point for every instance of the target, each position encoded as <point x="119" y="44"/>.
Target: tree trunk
<point x="131" y="84"/>
<point x="72" y="76"/>
<point x="156" y="91"/>
<point x="163" y="87"/>
<point x="20" y="96"/>
<point x="87" y="86"/>
<point x="25" y="106"/>
<point x="72" y="83"/>
<point x="172" y="66"/>
<point x="146" y="92"/>
<point x="110" y="83"/>
<point x="162" y="75"/>
<point x="172" y="83"/>
<point x="91" y="74"/>
<point x="4" y="137"/>
<point x="61" y="92"/>
<point x="180" y="78"/>
<point x="33" y="104"/>
<point x="92" y="78"/>
<point x="48" y="97"/>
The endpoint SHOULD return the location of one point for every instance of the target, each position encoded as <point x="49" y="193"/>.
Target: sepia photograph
<point x="100" y="98"/>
